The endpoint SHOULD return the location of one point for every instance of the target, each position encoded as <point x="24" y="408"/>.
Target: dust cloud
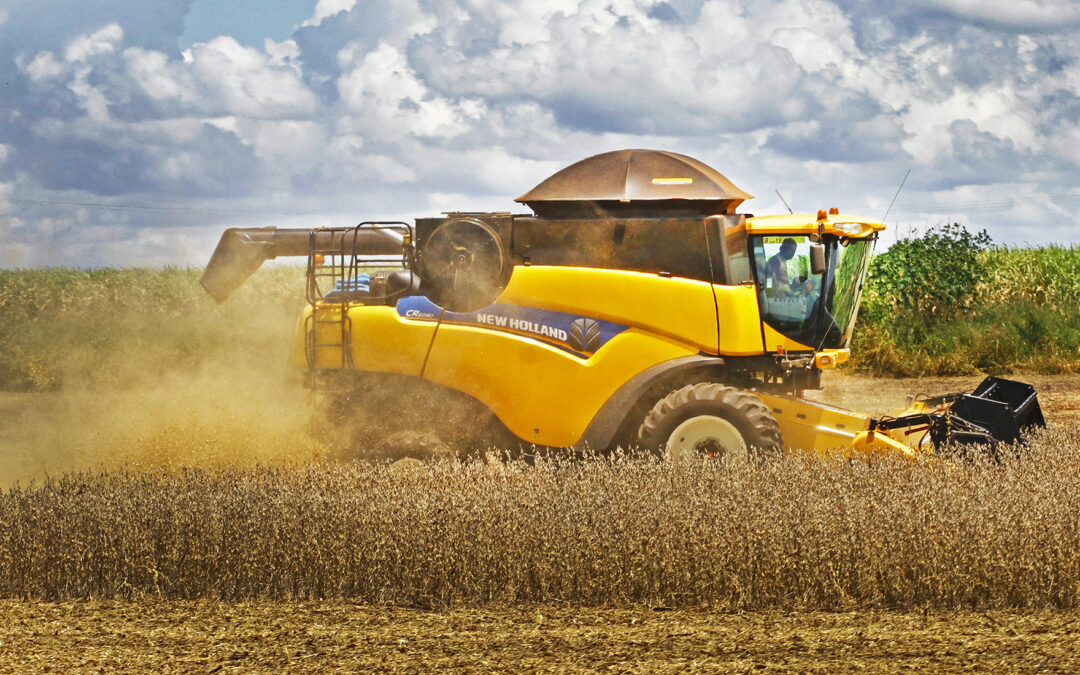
<point x="219" y="414"/>
<point x="141" y="368"/>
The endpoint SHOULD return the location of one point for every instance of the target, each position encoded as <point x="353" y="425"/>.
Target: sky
<point x="135" y="133"/>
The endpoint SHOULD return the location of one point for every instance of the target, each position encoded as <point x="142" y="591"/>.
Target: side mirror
<point x="817" y="259"/>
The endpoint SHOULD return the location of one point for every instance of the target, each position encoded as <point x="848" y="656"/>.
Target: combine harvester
<point x="633" y="307"/>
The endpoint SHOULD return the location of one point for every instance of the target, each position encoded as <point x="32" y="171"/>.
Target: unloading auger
<point x="633" y="306"/>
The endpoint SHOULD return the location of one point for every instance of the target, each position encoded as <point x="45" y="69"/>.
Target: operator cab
<point x="813" y="305"/>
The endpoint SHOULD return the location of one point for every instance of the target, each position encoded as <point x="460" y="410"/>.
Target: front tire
<point x="713" y="420"/>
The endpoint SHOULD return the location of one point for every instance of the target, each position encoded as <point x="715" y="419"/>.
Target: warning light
<point x="833" y="211"/>
<point x="821" y="215"/>
<point x="849" y="228"/>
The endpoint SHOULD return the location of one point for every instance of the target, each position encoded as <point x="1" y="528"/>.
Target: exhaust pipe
<point x="241" y="251"/>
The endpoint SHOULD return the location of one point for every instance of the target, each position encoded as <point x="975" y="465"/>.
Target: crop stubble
<point x="796" y="534"/>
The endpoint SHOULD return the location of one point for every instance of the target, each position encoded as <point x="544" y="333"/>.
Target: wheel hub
<point x="706" y="435"/>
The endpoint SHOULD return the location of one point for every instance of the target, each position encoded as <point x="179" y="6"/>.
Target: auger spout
<point x="241" y="251"/>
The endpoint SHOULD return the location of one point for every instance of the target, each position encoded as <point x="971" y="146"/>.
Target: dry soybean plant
<point x="793" y="533"/>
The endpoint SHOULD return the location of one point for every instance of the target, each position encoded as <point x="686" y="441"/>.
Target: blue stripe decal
<point x="579" y="335"/>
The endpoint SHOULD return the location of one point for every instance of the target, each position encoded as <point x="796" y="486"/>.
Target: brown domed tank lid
<point x="637" y="176"/>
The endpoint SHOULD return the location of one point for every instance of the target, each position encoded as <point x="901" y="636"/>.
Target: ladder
<point x="335" y="283"/>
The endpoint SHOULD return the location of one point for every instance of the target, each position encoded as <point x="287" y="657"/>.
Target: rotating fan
<point x="463" y="266"/>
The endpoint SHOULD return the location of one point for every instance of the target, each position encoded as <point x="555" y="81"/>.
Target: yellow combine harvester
<point x="634" y="306"/>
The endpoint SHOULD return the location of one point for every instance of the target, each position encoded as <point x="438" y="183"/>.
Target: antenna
<point x="895" y="196"/>
<point x="783" y="200"/>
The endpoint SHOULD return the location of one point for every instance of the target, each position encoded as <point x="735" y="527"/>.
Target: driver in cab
<point x="776" y="272"/>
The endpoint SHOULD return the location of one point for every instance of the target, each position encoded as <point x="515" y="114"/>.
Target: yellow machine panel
<point x="826" y="223"/>
<point x="552" y="395"/>
<point x="806" y="425"/>
<point x="776" y="341"/>
<point x="829" y="431"/>
<point x="737" y="312"/>
<point x="681" y="309"/>
<point x="379" y="340"/>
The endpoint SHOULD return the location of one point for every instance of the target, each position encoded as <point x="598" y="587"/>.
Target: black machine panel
<point x="674" y="246"/>
<point x="708" y="248"/>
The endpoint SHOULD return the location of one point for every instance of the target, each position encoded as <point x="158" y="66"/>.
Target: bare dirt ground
<point x="296" y="637"/>
<point x="1059" y="395"/>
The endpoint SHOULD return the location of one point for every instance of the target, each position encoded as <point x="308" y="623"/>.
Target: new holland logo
<point x="585" y="335"/>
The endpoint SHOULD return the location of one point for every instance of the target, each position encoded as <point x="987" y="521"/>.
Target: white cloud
<point x="286" y="53"/>
<point x="383" y="168"/>
<point x="1020" y="14"/>
<point x="100" y="42"/>
<point x="247" y="80"/>
<point x="292" y="140"/>
<point x="158" y="76"/>
<point x="225" y="77"/>
<point x="92" y="99"/>
<point x="14" y="254"/>
<point x="612" y="63"/>
<point x="1025" y="213"/>
<point x="812" y="51"/>
<point x="386" y="97"/>
<point x="1068" y="148"/>
<point x="525" y="23"/>
<point x="507" y="173"/>
<point x="382" y="73"/>
<point x="395" y="108"/>
<point x="325" y="9"/>
<point x="44" y="67"/>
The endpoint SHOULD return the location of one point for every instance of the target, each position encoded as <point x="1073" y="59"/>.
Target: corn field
<point x="792" y="533"/>
<point x="1018" y="309"/>
<point x="63" y="329"/>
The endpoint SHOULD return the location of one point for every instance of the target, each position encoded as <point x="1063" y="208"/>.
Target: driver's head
<point x="787" y="248"/>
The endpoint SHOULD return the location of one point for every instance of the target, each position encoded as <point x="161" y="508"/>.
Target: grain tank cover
<point x="635" y="181"/>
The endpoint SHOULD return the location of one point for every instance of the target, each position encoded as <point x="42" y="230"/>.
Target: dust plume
<point x="217" y="415"/>
<point x="139" y="368"/>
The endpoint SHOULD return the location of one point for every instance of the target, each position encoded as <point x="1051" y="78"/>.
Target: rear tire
<point x="710" y="419"/>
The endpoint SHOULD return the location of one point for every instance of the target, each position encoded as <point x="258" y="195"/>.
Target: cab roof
<point x="840" y="224"/>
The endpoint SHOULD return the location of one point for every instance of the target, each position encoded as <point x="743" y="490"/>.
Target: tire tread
<point x="755" y="414"/>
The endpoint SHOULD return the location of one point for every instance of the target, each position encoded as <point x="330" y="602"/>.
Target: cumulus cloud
<point x="44" y="67"/>
<point x="103" y="41"/>
<point x="383" y="95"/>
<point x="327" y="8"/>
<point x="247" y="81"/>
<point x="614" y="66"/>
<point x="1028" y="15"/>
<point x="395" y="108"/>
